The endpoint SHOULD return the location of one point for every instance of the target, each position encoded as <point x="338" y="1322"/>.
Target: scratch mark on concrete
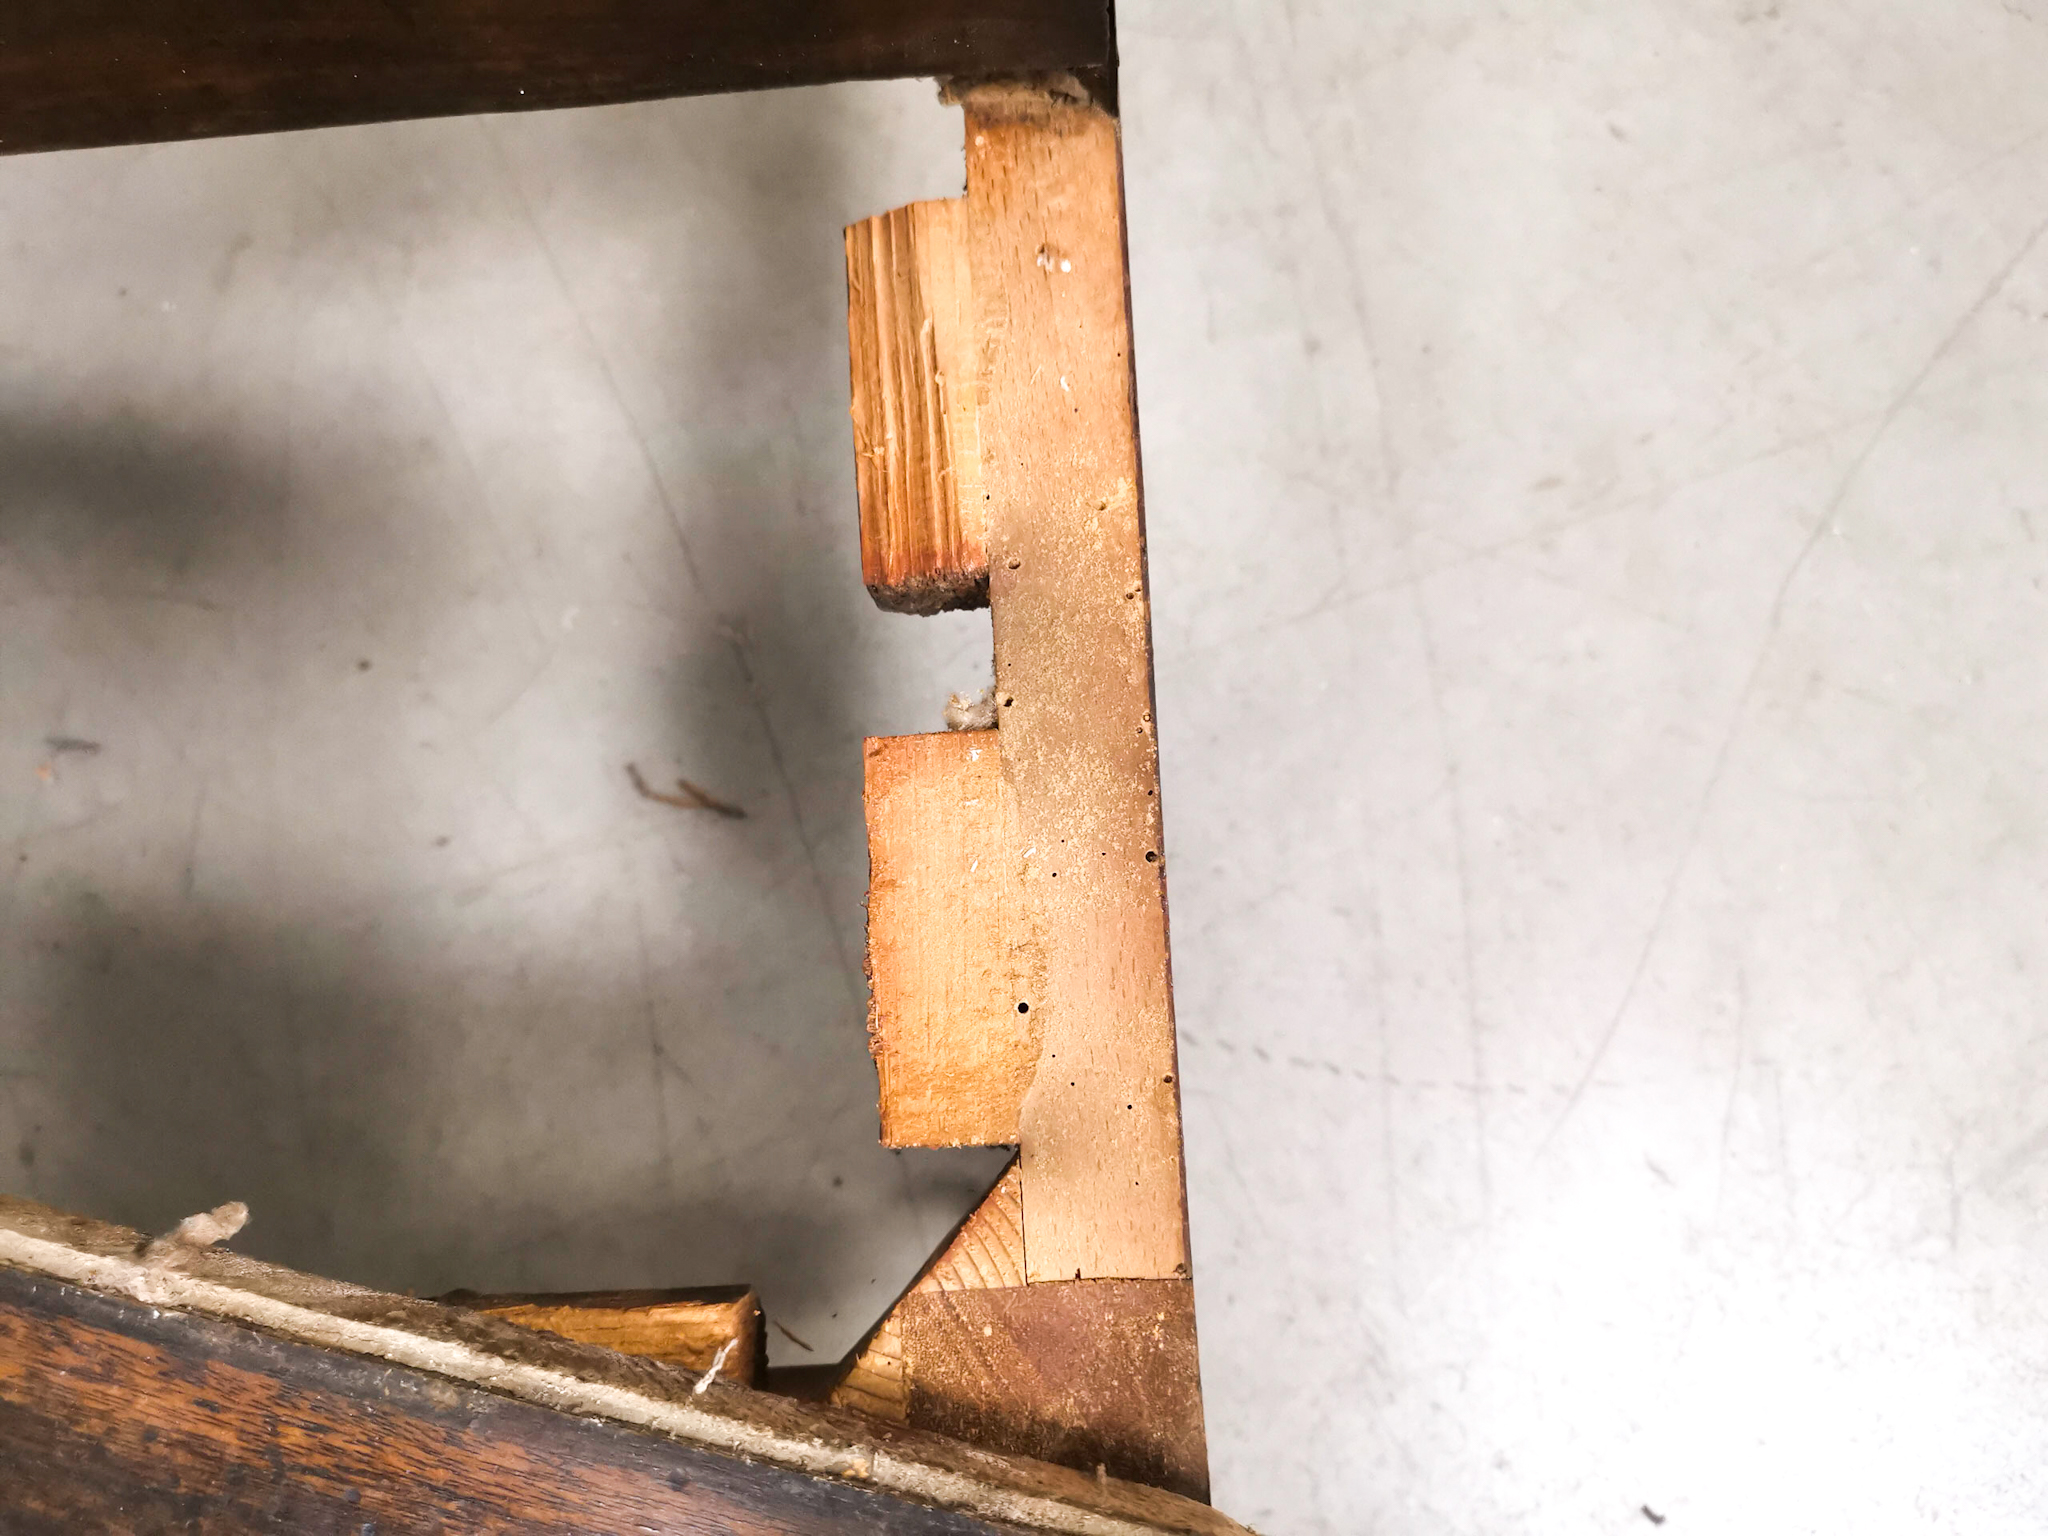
<point x="736" y="637"/>
<point x="186" y="879"/>
<point x="1773" y="621"/>
<point x="1734" y="1088"/>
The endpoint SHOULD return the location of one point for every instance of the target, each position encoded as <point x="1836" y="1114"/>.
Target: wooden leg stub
<point x="917" y="460"/>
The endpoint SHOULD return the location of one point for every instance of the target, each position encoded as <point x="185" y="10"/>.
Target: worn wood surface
<point x="988" y="1250"/>
<point x="688" y="1328"/>
<point x="115" y="1416"/>
<point x="1100" y="1124"/>
<point x="84" y="72"/>
<point x="1086" y="1373"/>
<point x="917" y="459"/>
<point x="211" y="1392"/>
<point x="953" y="1051"/>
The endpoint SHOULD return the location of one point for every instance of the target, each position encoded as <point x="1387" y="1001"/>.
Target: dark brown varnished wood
<point x="116" y="1416"/>
<point x="85" y="72"/>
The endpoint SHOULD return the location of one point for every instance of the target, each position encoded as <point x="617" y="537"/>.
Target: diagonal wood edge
<point x="987" y="1251"/>
<point x="917" y="457"/>
<point x="136" y="71"/>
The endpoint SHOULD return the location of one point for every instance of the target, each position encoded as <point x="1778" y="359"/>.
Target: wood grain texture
<point x="917" y="458"/>
<point x="1100" y="1125"/>
<point x="1085" y="1373"/>
<point x="247" y="1397"/>
<point x="987" y="1251"/>
<point x="953" y="1053"/>
<point x="85" y="72"/>
<point x="687" y="1328"/>
<point x="115" y="1416"/>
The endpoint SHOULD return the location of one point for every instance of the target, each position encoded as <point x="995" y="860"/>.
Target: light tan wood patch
<point x="952" y="1050"/>
<point x="683" y="1327"/>
<point x="909" y="318"/>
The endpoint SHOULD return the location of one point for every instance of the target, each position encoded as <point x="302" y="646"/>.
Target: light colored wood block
<point x="686" y="1328"/>
<point x="1100" y="1125"/>
<point x="909" y="320"/>
<point x="953" y="1051"/>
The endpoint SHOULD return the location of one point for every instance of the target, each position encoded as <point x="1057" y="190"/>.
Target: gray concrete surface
<point x="1597" y="490"/>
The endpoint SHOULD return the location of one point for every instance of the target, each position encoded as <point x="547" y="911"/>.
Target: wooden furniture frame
<point x="1021" y="993"/>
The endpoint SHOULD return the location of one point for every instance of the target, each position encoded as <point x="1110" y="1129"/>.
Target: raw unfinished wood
<point x="686" y="1328"/>
<point x="987" y="1251"/>
<point x="953" y="1051"/>
<point x="917" y="460"/>
<point x="1100" y="1125"/>
<point x="213" y="1392"/>
<point x="80" y="72"/>
<point x="1085" y="1373"/>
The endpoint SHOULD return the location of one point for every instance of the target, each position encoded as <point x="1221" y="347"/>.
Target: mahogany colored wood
<point x="917" y="460"/>
<point x="1085" y="1373"/>
<point x="687" y="1328"/>
<point x="988" y="1250"/>
<point x="83" y="72"/>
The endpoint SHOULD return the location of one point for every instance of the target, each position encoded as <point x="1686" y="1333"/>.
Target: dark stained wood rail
<point x="195" y="1390"/>
<point x="83" y="72"/>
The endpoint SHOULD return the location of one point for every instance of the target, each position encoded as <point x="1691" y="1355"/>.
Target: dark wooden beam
<point x="155" y="1386"/>
<point x="83" y="72"/>
<point x="115" y="1416"/>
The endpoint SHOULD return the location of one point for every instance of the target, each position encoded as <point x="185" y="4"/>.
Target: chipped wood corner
<point x="402" y="1404"/>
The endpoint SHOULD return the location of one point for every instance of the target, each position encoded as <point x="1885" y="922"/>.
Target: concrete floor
<point x="1598" y="490"/>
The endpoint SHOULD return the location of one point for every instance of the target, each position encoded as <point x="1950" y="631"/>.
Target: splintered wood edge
<point x="581" y="1379"/>
<point x="923" y="515"/>
<point x="684" y="1328"/>
<point x="987" y="1252"/>
<point x="953" y="1056"/>
<point x="1100" y="1125"/>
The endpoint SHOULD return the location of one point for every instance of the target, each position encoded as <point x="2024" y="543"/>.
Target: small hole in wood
<point x="1151" y="857"/>
<point x="1023" y="1007"/>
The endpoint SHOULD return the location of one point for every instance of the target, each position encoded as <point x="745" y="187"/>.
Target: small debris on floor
<point x="799" y="1343"/>
<point x="691" y="798"/>
<point x="59" y="745"/>
<point x="1652" y="1516"/>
